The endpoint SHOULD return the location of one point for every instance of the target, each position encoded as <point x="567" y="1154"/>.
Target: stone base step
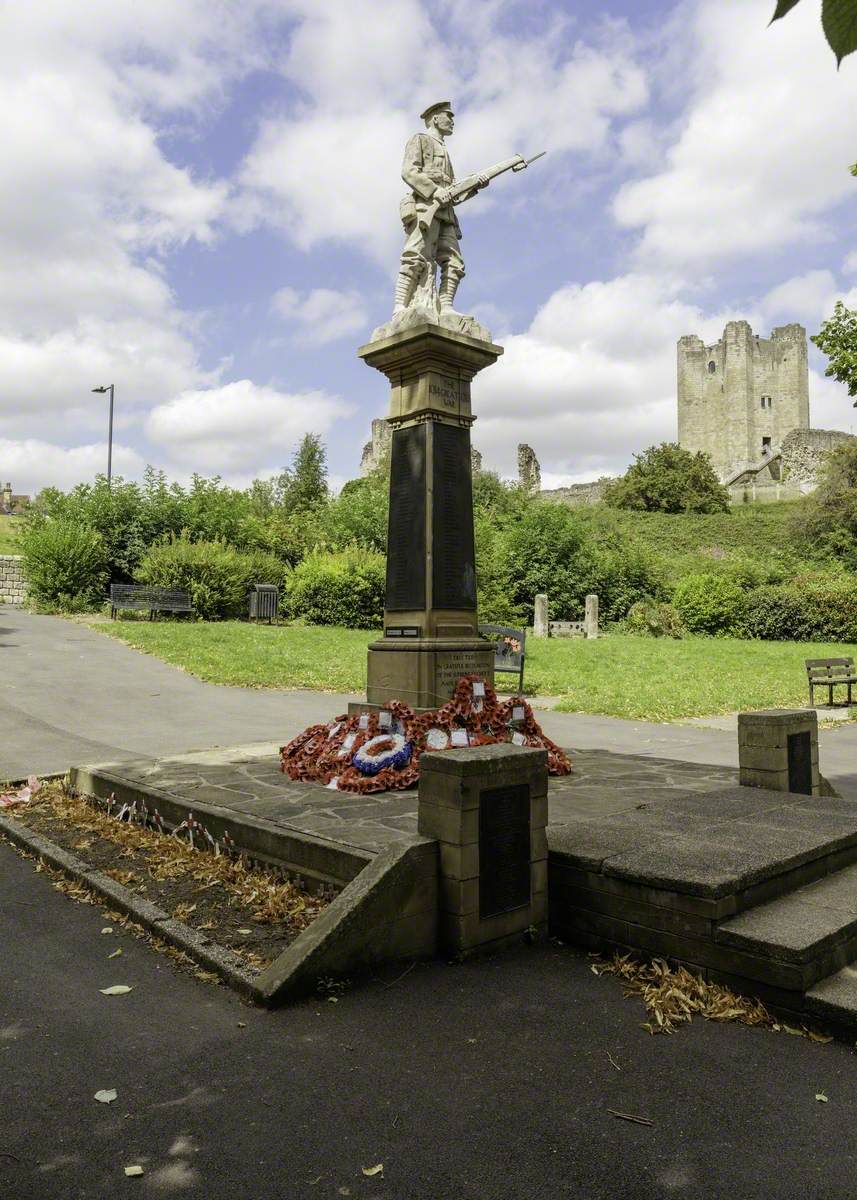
<point x="814" y="928"/>
<point x="833" y="1001"/>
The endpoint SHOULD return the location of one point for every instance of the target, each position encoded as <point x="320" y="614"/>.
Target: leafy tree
<point x="838" y="19"/>
<point x="667" y="478"/>
<point x="304" y="485"/>
<point x="65" y="564"/>
<point x="837" y="338"/>
<point x="550" y="548"/>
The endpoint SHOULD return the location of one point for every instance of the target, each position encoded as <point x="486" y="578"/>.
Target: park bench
<point x="830" y="673"/>
<point x="134" y="596"/>
<point x="508" y="649"/>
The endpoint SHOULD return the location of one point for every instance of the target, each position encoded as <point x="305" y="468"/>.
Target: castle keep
<point x="739" y="398"/>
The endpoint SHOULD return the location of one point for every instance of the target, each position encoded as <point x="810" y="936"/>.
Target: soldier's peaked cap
<point x="433" y="108"/>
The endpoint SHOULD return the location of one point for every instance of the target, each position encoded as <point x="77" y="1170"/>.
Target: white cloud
<point x="593" y="379"/>
<point x="90" y="203"/>
<point x="323" y="315"/>
<point x="830" y="406"/>
<point x="31" y="464"/>
<point x="322" y="172"/>
<point x="239" y="426"/>
<point x="765" y="145"/>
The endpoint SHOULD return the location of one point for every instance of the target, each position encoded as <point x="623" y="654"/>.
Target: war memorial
<point x="441" y="816"/>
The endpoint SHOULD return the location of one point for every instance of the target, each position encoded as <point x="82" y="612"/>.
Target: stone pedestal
<point x="778" y="749"/>
<point x="590" y="619"/>
<point x="430" y="625"/>
<point x="487" y="807"/>
<point x="540" y="616"/>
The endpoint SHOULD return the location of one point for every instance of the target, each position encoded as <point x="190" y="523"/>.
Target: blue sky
<point x="199" y="204"/>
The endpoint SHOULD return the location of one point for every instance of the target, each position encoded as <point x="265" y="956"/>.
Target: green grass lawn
<point x="9" y="535"/>
<point x="636" y="677"/>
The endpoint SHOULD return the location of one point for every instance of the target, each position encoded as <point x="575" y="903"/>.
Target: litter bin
<point x="264" y="602"/>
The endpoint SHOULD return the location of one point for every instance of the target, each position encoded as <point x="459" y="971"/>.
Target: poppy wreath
<point x="374" y="752"/>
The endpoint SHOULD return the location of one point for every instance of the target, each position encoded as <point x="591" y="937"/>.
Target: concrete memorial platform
<point x="752" y="887"/>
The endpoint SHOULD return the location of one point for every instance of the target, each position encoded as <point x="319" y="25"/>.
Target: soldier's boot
<point x="449" y="281"/>
<point x="404" y="291"/>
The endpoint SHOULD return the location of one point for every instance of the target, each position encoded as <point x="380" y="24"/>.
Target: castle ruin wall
<point x="741" y="396"/>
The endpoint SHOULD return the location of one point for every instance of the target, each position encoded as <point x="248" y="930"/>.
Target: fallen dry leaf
<point x="106" y="1096"/>
<point x="135" y="1170"/>
<point x="107" y="929"/>
<point x="118" y="989"/>
<point x="115" y="953"/>
<point x="821" y="1096"/>
<point x="376" y="1170"/>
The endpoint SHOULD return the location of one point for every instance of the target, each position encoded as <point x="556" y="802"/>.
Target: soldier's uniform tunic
<point x="427" y="167"/>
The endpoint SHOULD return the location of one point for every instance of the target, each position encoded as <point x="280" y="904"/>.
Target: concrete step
<point x="814" y="928"/>
<point x="833" y="1001"/>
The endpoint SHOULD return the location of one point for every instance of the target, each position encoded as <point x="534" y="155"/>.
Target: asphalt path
<point x="487" y="1080"/>
<point x="69" y="696"/>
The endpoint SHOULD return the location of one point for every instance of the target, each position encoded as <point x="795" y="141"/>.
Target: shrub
<point x="667" y="478"/>
<point x="827" y="520"/>
<point x="130" y="517"/>
<point x="341" y="588"/>
<point x="551" y="549"/>
<point x="820" y="609"/>
<point x="215" y="573"/>
<point x="651" y="619"/>
<point x="709" y="603"/>
<point x="65" y="564"/>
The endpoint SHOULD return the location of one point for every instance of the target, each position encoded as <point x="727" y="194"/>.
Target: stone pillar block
<point x="778" y="749"/>
<point x="487" y="807"/>
<point x="590" y="620"/>
<point x="431" y="630"/>
<point x="540" y="616"/>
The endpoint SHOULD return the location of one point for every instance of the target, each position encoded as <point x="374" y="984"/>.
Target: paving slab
<point x="247" y="781"/>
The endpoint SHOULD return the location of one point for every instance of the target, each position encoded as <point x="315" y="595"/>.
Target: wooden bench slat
<point x="830" y="673"/>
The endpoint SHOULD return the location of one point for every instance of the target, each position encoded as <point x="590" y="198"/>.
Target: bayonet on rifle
<point x="467" y="187"/>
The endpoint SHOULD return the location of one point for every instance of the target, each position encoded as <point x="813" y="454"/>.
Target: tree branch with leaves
<point x="838" y="20"/>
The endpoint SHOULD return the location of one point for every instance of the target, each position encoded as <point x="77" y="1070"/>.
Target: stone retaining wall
<point x="13" y="585"/>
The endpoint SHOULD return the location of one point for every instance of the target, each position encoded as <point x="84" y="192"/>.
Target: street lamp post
<point x="109" y="389"/>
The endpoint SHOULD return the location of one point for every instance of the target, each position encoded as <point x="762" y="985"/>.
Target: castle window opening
<point x="766" y="445"/>
<point x="712" y="367"/>
<point x="766" y="402"/>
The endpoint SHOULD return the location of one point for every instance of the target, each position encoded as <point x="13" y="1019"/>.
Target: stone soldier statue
<point x="429" y="218"/>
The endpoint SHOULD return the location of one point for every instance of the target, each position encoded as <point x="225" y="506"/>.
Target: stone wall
<point x="376" y="450"/>
<point x="13" y="585"/>
<point x="804" y="450"/>
<point x="577" y="495"/>
<point x="741" y="393"/>
<point x="529" y="471"/>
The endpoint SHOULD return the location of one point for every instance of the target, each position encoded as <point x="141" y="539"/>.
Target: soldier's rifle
<point x="463" y="189"/>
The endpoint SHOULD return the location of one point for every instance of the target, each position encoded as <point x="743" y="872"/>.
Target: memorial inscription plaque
<point x="406" y="542"/>
<point x="504" y="849"/>
<point x="452" y="664"/>
<point x="454" y="567"/>
<point x="799" y="748"/>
